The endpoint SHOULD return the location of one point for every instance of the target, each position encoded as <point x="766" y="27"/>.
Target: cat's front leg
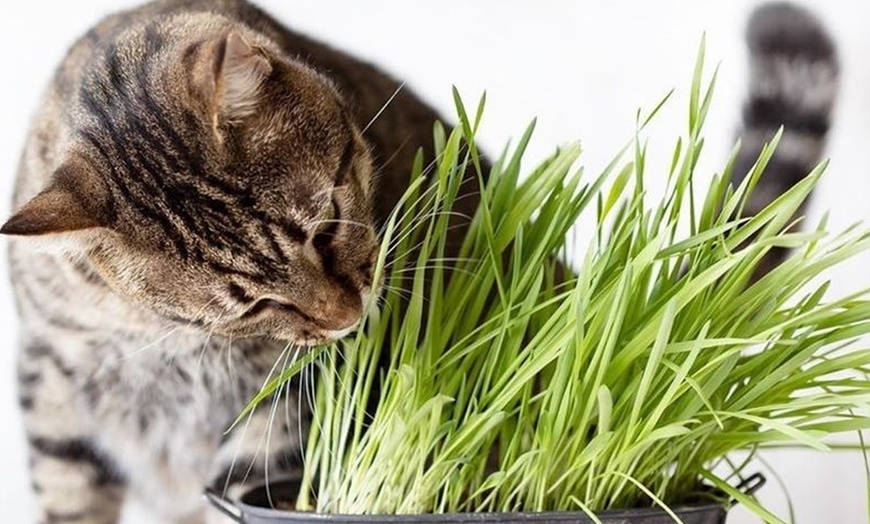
<point x="73" y="481"/>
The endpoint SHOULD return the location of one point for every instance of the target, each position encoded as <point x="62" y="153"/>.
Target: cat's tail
<point x="793" y="79"/>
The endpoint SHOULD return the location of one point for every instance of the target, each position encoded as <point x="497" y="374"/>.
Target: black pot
<point x="254" y="508"/>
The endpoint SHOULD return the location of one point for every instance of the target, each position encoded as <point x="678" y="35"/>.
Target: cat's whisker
<point x="442" y="260"/>
<point x="207" y="340"/>
<point x="172" y="330"/>
<point x="470" y="194"/>
<point x="345" y="388"/>
<point x="409" y="208"/>
<point x="383" y="302"/>
<point x="430" y="188"/>
<point x="299" y="412"/>
<point x="396" y="153"/>
<point x="343" y="358"/>
<point x="421" y="221"/>
<point x="341" y="221"/>
<point x="248" y="419"/>
<point x="401" y="274"/>
<point x="200" y="313"/>
<point x="271" y="423"/>
<point x="409" y="252"/>
<point x="305" y="396"/>
<point x="230" y="360"/>
<point x="455" y="259"/>
<point x="146" y="347"/>
<point x="310" y="394"/>
<point x="405" y="293"/>
<point x="308" y="384"/>
<point x="230" y="367"/>
<point x="383" y="108"/>
<point x="326" y="358"/>
<point x="252" y="464"/>
<point x="226" y="357"/>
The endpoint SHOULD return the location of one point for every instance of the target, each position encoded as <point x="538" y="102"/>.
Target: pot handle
<point x="752" y="483"/>
<point x="223" y="505"/>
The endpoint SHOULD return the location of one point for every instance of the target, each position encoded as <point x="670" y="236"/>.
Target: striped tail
<point x="793" y="81"/>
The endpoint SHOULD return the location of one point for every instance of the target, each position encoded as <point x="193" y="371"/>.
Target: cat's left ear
<point x="72" y="203"/>
<point x="240" y="70"/>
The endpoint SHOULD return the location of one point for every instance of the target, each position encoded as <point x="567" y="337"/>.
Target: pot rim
<point x="504" y="517"/>
<point x="239" y="510"/>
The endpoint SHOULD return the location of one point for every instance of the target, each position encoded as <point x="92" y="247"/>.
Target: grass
<point x="627" y="385"/>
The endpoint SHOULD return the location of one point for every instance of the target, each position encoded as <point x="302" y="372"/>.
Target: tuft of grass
<point x="626" y="384"/>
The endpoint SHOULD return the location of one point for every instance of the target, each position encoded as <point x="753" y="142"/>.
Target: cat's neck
<point x="92" y="306"/>
<point x="103" y="332"/>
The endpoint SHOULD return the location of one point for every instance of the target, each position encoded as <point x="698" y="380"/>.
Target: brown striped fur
<point x="196" y="187"/>
<point x="794" y="80"/>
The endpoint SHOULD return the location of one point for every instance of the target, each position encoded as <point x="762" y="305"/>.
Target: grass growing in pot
<point x="626" y="386"/>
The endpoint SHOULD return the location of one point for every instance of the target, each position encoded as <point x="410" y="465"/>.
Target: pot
<point x="254" y="508"/>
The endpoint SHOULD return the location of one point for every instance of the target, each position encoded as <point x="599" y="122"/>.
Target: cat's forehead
<point x="289" y="191"/>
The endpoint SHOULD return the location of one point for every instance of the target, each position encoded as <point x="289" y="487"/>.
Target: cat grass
<point x="630" y="383"/>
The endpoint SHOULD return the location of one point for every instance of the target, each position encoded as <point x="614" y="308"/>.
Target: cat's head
<point x="217" y="183"/>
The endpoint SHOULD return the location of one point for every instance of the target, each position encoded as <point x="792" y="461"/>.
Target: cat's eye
<point x="328" y="229"/>
<point x="345" y="164"/>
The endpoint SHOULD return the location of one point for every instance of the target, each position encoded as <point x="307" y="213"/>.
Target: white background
<point x="583" y="68"/>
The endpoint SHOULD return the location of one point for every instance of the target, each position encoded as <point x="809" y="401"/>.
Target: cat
<point x="200" y="184"/>
<point x="794" y="76"/>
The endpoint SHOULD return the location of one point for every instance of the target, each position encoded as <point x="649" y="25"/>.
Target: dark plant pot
<point x="254" y="508"/>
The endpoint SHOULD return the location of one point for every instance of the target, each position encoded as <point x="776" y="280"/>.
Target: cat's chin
<point x="303" y="337"/>
<point x="320" y="339"/>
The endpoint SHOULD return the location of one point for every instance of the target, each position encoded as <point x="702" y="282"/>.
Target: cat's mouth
<point x="283" y="331"/>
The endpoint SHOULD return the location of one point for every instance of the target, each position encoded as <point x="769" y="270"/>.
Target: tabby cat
<point x="196" y="190"/>
<point x="201" y="184"/>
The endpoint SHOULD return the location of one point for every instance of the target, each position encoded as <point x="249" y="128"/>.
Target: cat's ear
<point x="240" y="71"/>
<point x="73" y="202"/>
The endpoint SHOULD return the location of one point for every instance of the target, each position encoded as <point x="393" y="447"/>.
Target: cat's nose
<point x="341" y="324"/>
<point x="340" y="313"/>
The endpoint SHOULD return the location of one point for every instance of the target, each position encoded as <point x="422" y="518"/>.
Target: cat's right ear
<point x="74" y="203"/>
<point x="239" y="71"/>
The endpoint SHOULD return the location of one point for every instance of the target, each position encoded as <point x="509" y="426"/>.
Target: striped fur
<point x="195" y="188"/>
<point x="793" y="81"/>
